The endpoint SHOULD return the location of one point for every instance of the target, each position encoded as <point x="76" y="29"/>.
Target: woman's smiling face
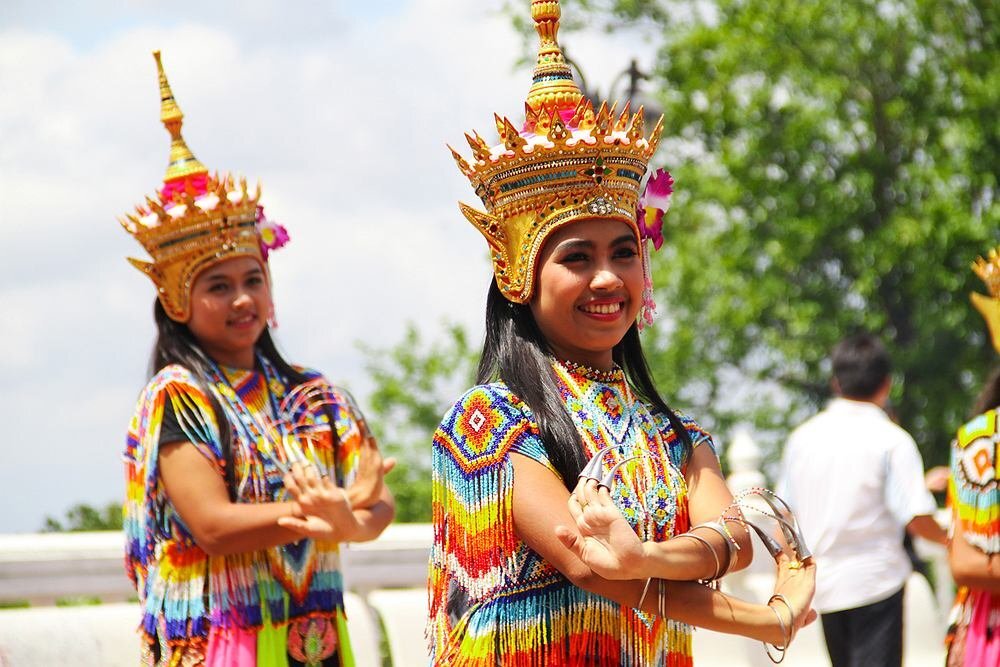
<point x="588" y="290"/>
<point x="230" y="302"/>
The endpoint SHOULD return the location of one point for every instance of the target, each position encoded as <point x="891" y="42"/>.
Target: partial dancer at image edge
<point x="974" y="499"/>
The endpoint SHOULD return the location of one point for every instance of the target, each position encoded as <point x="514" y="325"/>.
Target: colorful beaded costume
<point x="493" y="600"/>
<point x="271" y="604"/>
<point x="974" y="498"/>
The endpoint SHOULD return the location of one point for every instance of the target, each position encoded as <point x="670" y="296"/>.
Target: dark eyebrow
<point x="223" y="276"/>
<point x="575" y="244"/>
<point x="624" y="238"/>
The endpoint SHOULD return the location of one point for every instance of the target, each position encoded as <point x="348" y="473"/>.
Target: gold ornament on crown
<point x="988" y="270"/>
<point x="195" y="220"/>
<point x="568" y="162"/>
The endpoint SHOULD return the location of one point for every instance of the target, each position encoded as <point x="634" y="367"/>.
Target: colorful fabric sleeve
<point x="472" y="479"/>
<point x="699" y="436"/>
<point x="352" y="428"/>
<point x="973" y="487"/>
<point x="149" y="517"/>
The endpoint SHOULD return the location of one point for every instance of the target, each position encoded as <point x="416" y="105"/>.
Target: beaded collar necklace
<point x="252" y="425"/>
<point x="616" y="374"/>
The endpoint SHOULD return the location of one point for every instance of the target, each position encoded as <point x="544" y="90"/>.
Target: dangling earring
<point x="648" y="310"/>
<point x="272" y="320"/>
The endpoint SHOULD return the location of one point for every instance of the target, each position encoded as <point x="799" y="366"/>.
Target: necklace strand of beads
<point x="616" y="374"/>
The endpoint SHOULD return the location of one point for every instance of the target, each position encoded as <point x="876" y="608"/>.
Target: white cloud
<point x="342" y="113"/>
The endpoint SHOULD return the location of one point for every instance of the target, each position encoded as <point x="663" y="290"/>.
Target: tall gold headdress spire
<point x="196" y="219"/>
<point x="552" y="83"/>
<point x="182" y="160"/>
<point x="988" y="270"/>
<point x="564" y="163"/>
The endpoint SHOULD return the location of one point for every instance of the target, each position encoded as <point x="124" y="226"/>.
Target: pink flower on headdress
<point x="272" y="234"/>
<point x="653" y="205"/>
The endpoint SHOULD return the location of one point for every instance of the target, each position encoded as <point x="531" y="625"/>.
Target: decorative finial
<point x="553" y="83"/>
<point x="182" y="163"/>
<point x="988" y="270"/>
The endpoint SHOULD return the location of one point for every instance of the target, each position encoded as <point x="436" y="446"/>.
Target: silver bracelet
<point x="645" y="589"/>
<point x="791" y="615"/>
<point x="661" y="602"/>
<point x="707" y="545"/>
<point x="786" y="635"/>
<point x="733" y="547"/>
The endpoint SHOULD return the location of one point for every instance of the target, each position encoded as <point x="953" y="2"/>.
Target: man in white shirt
<point x="855" y="482"/>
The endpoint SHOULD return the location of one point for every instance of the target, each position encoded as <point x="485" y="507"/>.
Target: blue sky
<point x="341" y="109"/>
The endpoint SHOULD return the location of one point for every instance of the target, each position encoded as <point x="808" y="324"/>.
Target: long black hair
<point x="515" y="351"/>
<point x="989" y="397"/>
<point x="175" y="344"/>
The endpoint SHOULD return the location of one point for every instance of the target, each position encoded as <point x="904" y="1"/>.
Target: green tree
<point x="415" y="383"/>
<point x="83" y="517"/>
<point x="837" y="165"/>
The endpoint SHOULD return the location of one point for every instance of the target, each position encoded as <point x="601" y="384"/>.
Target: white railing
<point x="386" y="583"/>
<point x="43" y="568"/>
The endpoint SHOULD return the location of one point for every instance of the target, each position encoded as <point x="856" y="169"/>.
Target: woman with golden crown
<point x="243" y="472"/>
<point x="974" y="497"/>
<point x="577" y="518"/>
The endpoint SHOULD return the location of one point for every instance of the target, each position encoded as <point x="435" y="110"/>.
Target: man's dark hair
<point x="860" y="365"/>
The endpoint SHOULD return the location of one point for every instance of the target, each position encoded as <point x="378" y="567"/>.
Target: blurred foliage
<point x="837" y="166"/>
<point x="415" y="383"/>
<point x="78" y="601"/>
<point x="85" y="517"/>
<point x="15" y="604"/>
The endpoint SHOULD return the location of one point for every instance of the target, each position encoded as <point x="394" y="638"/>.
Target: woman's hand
<point x="604" y="540"/>
<point x="325" y="508"/>
<point x="366" y="489"/>
<point x="796" y="582"/>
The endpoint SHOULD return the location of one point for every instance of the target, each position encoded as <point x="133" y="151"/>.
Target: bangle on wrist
<point x="645" y="589"/>
<point x="708" y="545"/>
<point x="786" y="631"/>
<point x="728" y="539"/>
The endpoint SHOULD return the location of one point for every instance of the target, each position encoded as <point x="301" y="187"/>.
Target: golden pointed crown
<point x="988" y="270"/>
<point x="195" y="220"/>
<point x="567" y="162"/>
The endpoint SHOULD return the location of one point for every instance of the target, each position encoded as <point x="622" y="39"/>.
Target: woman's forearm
<point x="700" y="553"/>
<point x="695" y="604"/>
<point x="241" y="527"/>
<point x="373" y="520"/>
<point x="971" y="566"/>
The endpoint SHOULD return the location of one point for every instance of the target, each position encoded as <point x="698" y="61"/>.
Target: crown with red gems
<point x="195" y="219"/>
<point x="567" y="162"/>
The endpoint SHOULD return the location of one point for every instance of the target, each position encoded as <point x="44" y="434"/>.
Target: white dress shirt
<point x="854" y="480"/>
